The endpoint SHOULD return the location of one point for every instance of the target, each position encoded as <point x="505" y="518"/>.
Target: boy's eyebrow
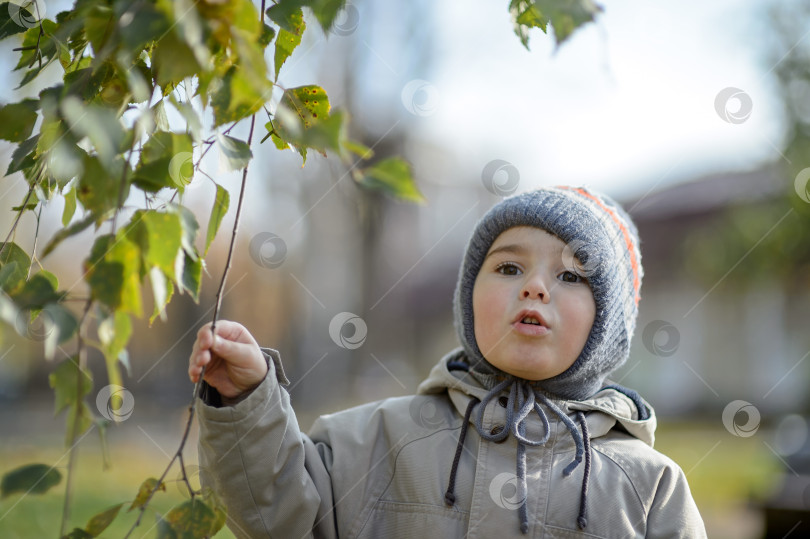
<point x="514" y="248"/>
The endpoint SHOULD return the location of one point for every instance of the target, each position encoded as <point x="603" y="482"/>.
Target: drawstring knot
<point x="522" y="400"/>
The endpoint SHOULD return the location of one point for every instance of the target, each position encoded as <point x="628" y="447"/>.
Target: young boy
<point x="515" y="433"/>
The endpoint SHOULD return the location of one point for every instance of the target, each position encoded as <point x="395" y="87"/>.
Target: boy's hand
<point x="235" y="363"/>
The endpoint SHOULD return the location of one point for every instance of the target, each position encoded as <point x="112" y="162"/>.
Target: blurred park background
<point x="695" y="115"/>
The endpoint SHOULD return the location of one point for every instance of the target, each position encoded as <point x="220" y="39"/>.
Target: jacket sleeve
<point x="273" y="480"/>
<point x="673" y="512"/>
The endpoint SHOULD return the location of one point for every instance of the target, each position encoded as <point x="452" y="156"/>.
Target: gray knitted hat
<point x="604" y="239"/>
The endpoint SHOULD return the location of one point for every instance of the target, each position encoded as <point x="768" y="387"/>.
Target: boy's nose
<point x="535" y="288"/>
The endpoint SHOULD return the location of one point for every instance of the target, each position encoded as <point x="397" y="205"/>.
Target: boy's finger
<point x="233" y="331"/>
<point x="231" y="351"/>
<point x="205" y="328"/>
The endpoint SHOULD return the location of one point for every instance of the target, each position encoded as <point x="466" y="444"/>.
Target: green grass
<point x="726" y="474"/>
<point x="95" y="489"/>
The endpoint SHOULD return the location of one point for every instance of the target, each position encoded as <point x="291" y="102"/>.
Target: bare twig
<point x="193" y="405"/>
<point x="178" y="455"/>
<point x="77" y="415"/>
<point x="19" y="215"/>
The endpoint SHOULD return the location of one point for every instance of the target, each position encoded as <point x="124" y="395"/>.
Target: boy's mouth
<point x="530" y="318"/>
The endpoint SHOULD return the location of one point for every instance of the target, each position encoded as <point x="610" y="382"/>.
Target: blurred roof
<point x="708" y="194"/>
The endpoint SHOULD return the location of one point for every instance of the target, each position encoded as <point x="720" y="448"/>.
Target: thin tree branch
<point x="76" y="421"/>
<point x="178" y="455"/>
<point x="19" y="215"/>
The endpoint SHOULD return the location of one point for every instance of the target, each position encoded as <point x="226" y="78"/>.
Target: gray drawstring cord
<point x="449" y="496"/>
<point x="524" y="399"/>
<point x="582" y="519"/>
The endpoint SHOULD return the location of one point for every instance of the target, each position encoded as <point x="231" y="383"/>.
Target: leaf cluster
<point x="102" y="136"/>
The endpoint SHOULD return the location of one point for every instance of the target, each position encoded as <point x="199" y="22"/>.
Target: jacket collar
<point x="608" y="408"/>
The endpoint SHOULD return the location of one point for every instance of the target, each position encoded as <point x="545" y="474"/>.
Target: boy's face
<point x="523" y="281"/>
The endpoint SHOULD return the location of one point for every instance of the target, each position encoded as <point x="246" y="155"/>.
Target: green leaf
<point x="14" y="265"/>
<point x="98" y="188"/>
<point x="85" y="83"/>
<point x="164" y="529"/>
<point x="193" y="123"/>
<point x="113" y="273"/>
<point x="326" y="11"/>
<point x="24" y="156"/>
<point x="236" y="152"/>
<point x="50" y="277"/>
<point x="159" y="236"/>
<point x="58" y="152"/>
<point x="238" y="96"/>
<point x="70" y="206"/>
<point x="392" y="177"/>
<point x="221" y="203"/>
<point x="139" y="81"/>
<point x="99" y="124"/>
<point x="324" y="134"/>
<point x="101" y="521"/>
<point x="36" y="292"/>
<point x="310" y="104"/>
<point x="63" y="321"/>
<point x="78" y="533"/>
<point x="47" y="48"/>
<point x="70" y="384"/>
<point x="162" y="292"/>
<point x="567" y="15"/>
<point x="29" y="479"/>
<point x="303" y="120"/>
<point x="145" y="24"/>
<point x="64" y="160"/>
<point x="526" y="16"/>
<point x="123" y="357"/>
<point x="190" y="228"/>
<point x="289" y="37"/>
<point x="191" y="27"/>
<point x="56" y="325"/>
<point x="173" y="60"/>
<point x="166" y="161"/>
<point x="220" y="511"/>
<point x="193" y="518"/>
<point x="191" y="271"/>
<point x="244" y="18"/>
<point x="280" y="143"/>
<point x="144" y="491"/>
<point x="17" y="120"/>
<point x="358" y="148"/>
<point x="114" y="333"/>
<point x="159" y="115"/>
<point x="14" y="18"/>
<point x="99" y="26"/>
<point x="286" y="14"/>
<point x="268" y="33"/>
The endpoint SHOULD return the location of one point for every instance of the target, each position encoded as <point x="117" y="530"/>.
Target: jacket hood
<point x="613" y="406"/>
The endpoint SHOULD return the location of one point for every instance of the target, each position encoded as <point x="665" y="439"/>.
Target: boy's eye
<point x="569" y="277"/>
<point x="507" y="268"/>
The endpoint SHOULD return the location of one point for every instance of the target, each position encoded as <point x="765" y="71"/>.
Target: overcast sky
<point x="626" y="104"/>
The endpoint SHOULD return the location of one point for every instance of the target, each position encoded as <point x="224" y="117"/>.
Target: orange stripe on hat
<point x="628" y="240"/>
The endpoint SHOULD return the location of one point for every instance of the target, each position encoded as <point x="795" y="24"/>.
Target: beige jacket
<point x="382" y="469"/>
